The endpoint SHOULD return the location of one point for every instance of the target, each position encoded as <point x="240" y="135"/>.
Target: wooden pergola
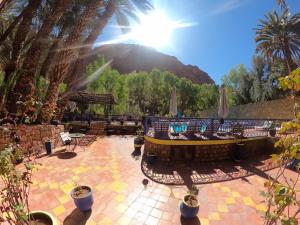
<point x="89" y="98"/>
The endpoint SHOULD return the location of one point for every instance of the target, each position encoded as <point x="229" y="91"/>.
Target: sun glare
<point x="155" y="29"/>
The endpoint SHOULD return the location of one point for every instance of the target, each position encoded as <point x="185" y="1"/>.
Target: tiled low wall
<point x="213" y="151"/>
<point x="32" y="137"/>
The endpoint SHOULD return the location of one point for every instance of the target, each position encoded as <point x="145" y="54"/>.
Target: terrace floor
<point x="120" y="198"/>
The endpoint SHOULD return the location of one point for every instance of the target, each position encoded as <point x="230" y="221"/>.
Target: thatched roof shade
<point x="89" y="98"/>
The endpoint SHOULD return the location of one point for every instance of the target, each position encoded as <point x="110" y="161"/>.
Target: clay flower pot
<point x="189" y="207"/>
<point x="42" y="217"/>
<point x="83" y="198"/>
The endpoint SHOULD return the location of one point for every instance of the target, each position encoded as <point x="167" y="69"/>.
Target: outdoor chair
<point x="207" y="128"/>
<point x="203" y="129"/>
<point x="66" y="139"/>
<point x="225" y="129"/>
<point x="237" y="130"/>
<point x="266" y="125"/>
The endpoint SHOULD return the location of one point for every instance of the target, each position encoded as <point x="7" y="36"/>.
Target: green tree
<point x="139" y="86"/>
<point x="142" y="93"/>
<point x="276" y="37"/>
<point x="238" y="86"/>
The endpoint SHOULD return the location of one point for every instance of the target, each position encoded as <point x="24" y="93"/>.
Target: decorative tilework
<point x="121" y="199"/>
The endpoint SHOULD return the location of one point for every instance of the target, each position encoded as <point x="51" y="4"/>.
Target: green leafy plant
<point x="281" y="194"/>
<point x="78" y="189"/>
<point x="18" y="154"/>
<point x="14" y="194"/>
<point x="191" y="198"/>
<point x="194" y="190"/>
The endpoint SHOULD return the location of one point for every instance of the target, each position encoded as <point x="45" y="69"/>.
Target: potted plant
<point x="14" y="194"/>
<point x="83" y="197"/>
<point x="138" y="143"/>
<point x="189" y="206"/>
<point x="139" y="140"/>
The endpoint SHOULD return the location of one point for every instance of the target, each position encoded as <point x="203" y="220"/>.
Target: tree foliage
<point x="277" y="37"/>
<point x="259" y="83"/>
<point x="141" y="93"/>
<point x="282" y="195"/>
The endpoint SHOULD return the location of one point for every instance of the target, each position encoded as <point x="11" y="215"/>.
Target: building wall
<point x="275" y="109"/>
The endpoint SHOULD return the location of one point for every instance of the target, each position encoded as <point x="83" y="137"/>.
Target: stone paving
<point x="121" y="199"/>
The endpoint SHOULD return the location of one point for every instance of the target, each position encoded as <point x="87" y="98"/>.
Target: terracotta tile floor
<point x="121" y="199"/>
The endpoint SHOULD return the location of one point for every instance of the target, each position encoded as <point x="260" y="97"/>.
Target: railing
<point x="98" y="117"/>
<point x="162" y="126"/>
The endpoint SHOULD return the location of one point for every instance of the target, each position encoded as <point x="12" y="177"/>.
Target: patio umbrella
<point x="173" y="102"/>
<point x="223" y="103"/>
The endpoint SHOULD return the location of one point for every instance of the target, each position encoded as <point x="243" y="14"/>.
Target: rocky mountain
<point x="127" y="58"/>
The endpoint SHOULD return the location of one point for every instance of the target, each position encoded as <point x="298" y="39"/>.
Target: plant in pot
<point x="83" y="197"/>
<point x="189" y="206"/>
<point x="14" y="194"/>
<point x="139" y="140"/>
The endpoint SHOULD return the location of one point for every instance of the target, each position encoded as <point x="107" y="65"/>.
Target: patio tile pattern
<point x="205" y="172"/>
<point x="121" y="199"/>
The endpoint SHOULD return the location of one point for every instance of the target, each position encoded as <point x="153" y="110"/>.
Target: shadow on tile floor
<point x="77" y="217"/>
<point x="66" y="155"/>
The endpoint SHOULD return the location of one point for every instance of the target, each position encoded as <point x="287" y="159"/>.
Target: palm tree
<point x="123" y="10"/>
<point x="276" y="37"/>
<point x="282" y="4"/>
<point x="8" y="20"/>
<point x="65" y="25"/>
<point x="63" y="58"/>
<point x="21" y="35"/>
<point x="4" y="4"/>
<point x="24" y="88"/>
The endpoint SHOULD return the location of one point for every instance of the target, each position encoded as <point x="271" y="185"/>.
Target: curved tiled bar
<point x="205" y="150"/>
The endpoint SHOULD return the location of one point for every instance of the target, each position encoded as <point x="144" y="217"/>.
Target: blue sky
<point x="222" y="36"/>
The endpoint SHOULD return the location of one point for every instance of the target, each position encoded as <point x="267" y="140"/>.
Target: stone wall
<point x="204" y="153"/>
<point x="32" y="137"/>
<point x="275" y="109"/>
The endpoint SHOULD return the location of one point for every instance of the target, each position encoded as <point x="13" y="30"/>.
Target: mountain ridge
<point x="127" y="58"/>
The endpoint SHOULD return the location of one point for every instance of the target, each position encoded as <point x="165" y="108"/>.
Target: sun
<point x="155" y="30"/>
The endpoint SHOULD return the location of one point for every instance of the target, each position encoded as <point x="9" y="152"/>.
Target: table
<point x="76" y="137"/>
